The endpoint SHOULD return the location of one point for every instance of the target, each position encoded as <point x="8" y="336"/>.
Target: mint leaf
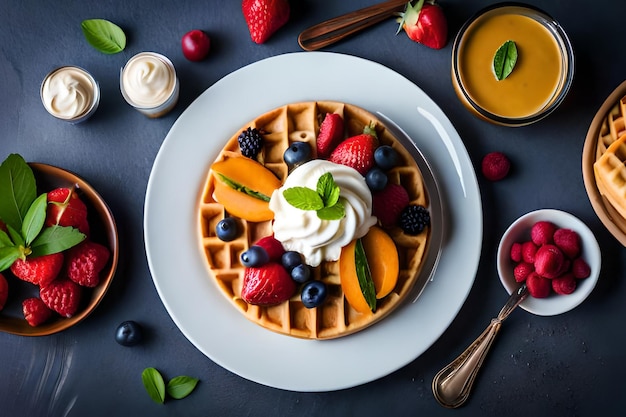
<point x="16" y="237"/>
<point x="8" y="255"/>
<point x="181" y="386"/>
<point x="104" y="36"/>
<point x="34" y="219"/>
<point x="17" y="190"/>
<point x="303" y="198"/>
<point x="5" y="240"/>
<point x="504" y="60"/>
<point x="364" y="275"/>
<point x="56" y="239"/>
<point x="334" y="212"/>
<point x="154" y="384"/>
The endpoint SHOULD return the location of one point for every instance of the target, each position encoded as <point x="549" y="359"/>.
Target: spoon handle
<point x="333" y="30"/>
<point x="453" y="384"/>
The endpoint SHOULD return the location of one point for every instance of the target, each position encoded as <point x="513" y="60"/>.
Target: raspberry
<point x="85" y="261"/>
<point x="549" y="261"/>
<point x="521" y="271"/>
<point x="250" y="142"/>
<point x="35" y="311"/>
<point x="414" y="219"/>
<point x="528" y="252"/>
<point x="40" y="270"/>
<point x="568" y="241"/>
<point x="580" y="268"/>
<point x="62" y="295"/>
<point x="495" y="166"/>
<point x="272" y="246"/>
<point x="389" y="203"/>
<point x="565" y="284"/>
<point x="516" y="252"/>
<point x="542" y="232"/>
<point x="538" y="287"/>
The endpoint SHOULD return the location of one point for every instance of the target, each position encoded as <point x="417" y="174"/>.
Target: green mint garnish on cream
<point x="324" y="200"/>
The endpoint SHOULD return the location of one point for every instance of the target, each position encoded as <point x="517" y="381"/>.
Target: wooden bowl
<point x="609" y="216"/>
<point x="103" y="230"/>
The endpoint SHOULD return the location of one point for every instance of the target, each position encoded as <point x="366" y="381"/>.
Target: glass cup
<point x="70" y="93"/>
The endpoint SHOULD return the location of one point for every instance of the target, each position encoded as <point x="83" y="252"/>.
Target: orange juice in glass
<point x="541" y="75"/>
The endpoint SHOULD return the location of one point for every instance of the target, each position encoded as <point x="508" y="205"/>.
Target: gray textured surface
<point x="568" y="365"/>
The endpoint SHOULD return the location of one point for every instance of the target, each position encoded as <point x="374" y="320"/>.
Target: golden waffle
<point x="335" y="317"/>
<point x="613" y="126"/>
<point x="610" y="173"/>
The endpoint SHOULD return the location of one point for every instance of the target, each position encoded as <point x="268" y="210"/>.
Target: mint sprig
<point x="178" y="387"/>
<point x="325" y="200"/>
<point x="24" y="214"/>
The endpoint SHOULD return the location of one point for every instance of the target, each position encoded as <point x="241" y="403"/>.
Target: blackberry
<point x="250" y="142"/>
<point x="414" y="219"/>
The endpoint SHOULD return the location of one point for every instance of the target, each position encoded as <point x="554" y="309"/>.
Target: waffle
<point x="610" y="168"/>
<point x="335" y="317"/>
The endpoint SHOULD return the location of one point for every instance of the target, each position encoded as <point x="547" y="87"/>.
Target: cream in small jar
<point x="148" y="83"/>
<point x="70" y="93"/>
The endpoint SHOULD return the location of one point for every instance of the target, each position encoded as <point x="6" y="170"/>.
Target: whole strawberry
<point x="264" y="17"/>
<point x="425" y="23"/>
<point x="85" y="261"/>
<point x="62" y="295"/>
<point x="330" y="135"/>
<point x="267" y="285"/>
<point x="4" y="291"/>
<point x="357" y="151"/>
<point x="65" y="208"/>
<point x="35" y="311"/>
<point x="387" y="205"/>
<point x="41" y="270"/>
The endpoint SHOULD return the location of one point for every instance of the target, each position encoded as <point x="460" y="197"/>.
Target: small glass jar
<point x="148" y="83"/>
<point x="70" y="93"/>
<point x="540" y="79"/>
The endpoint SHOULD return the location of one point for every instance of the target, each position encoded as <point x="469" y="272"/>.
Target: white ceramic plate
<point x="181" y="278"/>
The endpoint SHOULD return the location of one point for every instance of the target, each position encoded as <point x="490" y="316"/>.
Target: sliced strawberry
<point x="35" y="311"/>
<point x="264" y="17"/>
<point x="425" y="23"/>
<point x="272" y="246"/>
<point x="267" y="285"/>
<point x="85" y="261"/>
<point x="65" y="208"/>
<point x="4" y="291"/>
<point x="357" y="151"/>
<point x="389" y="203"/>
<point x="330" y="134"/>
<point x="41" y="270"/>
<point x="62" y="295"/>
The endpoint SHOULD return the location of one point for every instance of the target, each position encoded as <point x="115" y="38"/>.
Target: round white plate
<point x="178" y="269"/>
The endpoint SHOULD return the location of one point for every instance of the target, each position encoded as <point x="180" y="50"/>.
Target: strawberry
<point x="65" y="208"/>
<point x="41" y="270"/>
<point x="495" y="166"/>
<point x="516" y="252"/>
<point x="35" y="311"/>
<point x="330" y="134"/>
<point x="62" y="295"/>
<point x="424" y="23"/>
<point x="357" y="151"/>
<point x="580" y="268"/>
<point x="538" y="287"/>
<point x="264" y="17"/>
<point x="387" y="205"/>
<point x="267" y="285"/>
<point x="85" y="261"/>
<point x="542" y="232"/>
<point x="4" y="291"/>
<point x="565" y="284"/>
<point x="521" y="271"/>
<point x="528" y="252"/>
<point x="549" y="261"/>
<point x="272" y="246"/>
<point x="568" y="241"/>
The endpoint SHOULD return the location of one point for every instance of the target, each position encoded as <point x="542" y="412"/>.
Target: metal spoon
<point x="333" y="30"/>
<point x="452" y="385"/>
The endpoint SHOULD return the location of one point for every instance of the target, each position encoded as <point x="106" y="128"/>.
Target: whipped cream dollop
<point x="148" y="80"/>
<point x="68" y="92"/>
<point x="303" y="231"/>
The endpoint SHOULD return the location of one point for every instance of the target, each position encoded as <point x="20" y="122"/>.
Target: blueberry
<point x="386" y="157"/>
<point x="291" y="259"/>
<point x="297" y="153"/>
<point x="254" y="256"/>
<point x="129" y="333"/>
<point x="313" y="294"/>
<point x="376" y="179"/>
<point x="301" y="273"/>
<point x="227" y="229"/>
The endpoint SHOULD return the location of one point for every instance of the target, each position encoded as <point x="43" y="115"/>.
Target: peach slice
<point x="250" y="174"/>
<point x="382" y="258"/>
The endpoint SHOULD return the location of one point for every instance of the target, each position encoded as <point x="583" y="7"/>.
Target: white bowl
<point x="519" y="231"/>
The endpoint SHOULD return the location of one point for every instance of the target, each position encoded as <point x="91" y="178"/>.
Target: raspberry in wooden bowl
<point x="555" y="254"/>
<point x="36" y="303"/>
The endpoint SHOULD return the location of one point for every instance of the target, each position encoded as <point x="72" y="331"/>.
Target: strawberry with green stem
<point x="424" y="23"/>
